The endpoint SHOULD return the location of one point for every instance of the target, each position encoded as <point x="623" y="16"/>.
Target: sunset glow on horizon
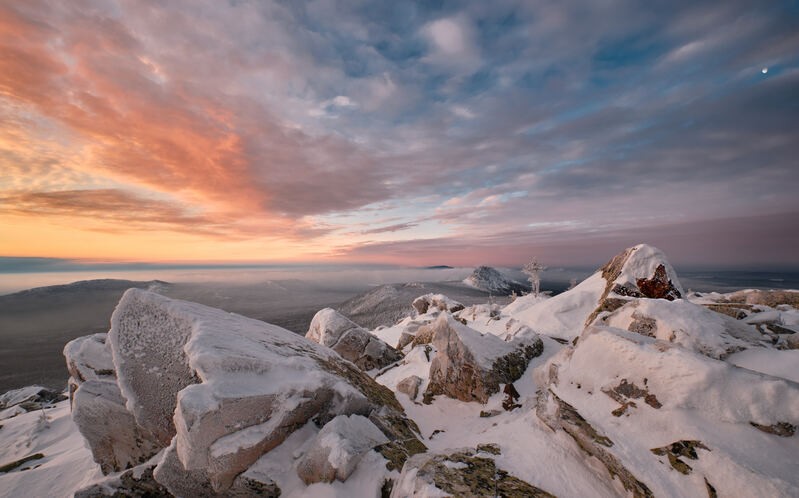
<point x="398" y="133"/>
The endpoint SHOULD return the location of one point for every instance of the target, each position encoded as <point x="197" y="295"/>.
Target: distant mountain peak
<point x="492" y="280"/>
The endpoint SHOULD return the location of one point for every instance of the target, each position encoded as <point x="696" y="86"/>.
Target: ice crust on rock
<point x="356" y="344"/>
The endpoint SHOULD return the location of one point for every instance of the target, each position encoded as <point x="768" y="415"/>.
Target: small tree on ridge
<point x="533" y="270"/>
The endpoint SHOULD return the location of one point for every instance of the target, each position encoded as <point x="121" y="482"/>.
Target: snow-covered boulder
<point x="218" y="390"/>
<point x="429" y="302"/>
<point x="336" y="450"/>
<point x="461" y="472"/>
<point x="116" y="441"/>
<point x="668" y="421"/>
<point x="491" y="280"/>
<point x="89" y="358"/>
<point x="689" y="325"/>
<point x="640" y="271"/>
<point x="356" y="344"/>
<point x="470" y="366"/>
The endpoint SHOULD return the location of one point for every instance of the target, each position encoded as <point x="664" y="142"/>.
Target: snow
<point x="773" y="362"/>
<point x="689" y="325"/>
<point x="67" y="464"/>
<point x="687" y="360"/>
<point x="564" y="315"/>
<point x="702" y="399"/>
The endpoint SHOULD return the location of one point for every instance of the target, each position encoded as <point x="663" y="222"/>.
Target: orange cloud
<point x="109" y="114"/>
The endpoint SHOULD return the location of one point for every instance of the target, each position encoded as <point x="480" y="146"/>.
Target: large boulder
<point x="470" y="366"/>
<point x="336" y="450"/>
<point x="218" y="390"/>
<point x="116" y="441"/>
<point x="356" y="344"/>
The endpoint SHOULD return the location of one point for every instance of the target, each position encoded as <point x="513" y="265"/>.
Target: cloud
<point x="261" y="119"/>
<point x="390" y="228"/>
<point x="452" y="44"/>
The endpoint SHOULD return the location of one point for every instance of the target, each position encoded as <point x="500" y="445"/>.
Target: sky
<point x="457" y="133"/>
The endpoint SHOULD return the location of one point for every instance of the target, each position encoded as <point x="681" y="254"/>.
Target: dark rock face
<point x="685" y="449"/>
<point x="511" y="398"/>
<point x="463" y="473"/>
<point x="783" y="429"/>
<point x="628" y="390"/>
<point x="659" y="286"/>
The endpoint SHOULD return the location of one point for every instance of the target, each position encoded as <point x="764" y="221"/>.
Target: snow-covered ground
<point x="631" y="395"/>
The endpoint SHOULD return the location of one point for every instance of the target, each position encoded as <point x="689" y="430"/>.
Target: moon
<point x="764" y="70"/>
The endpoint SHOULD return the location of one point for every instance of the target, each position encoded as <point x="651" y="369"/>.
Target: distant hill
<point x="491" y="280"/>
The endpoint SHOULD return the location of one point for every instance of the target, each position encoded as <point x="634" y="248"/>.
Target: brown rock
<point x="659" y="286"/>
<point x="470" y="366"/>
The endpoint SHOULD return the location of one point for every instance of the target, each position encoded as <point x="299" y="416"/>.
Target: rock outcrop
<point x="462" y="472"/>
<point x="356" y="344"/>
<point x="27" y="399"/>
<point x="470" y="366"/>
<point x="429" y="302"/>
<point x="217" y="391"/>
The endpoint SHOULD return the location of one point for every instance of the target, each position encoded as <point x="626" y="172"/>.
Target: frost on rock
<point x="219" y="390"/>
<point x="689" y="325"/>
<point x="461" y="472"/>
<point x="337" y="448"/>
<point x="429" y="302"/>
<point x="470" y="366"/>
<point x="88" y="358"/>
<point x="116" y="441"/>
<point x="356" y="344"/>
